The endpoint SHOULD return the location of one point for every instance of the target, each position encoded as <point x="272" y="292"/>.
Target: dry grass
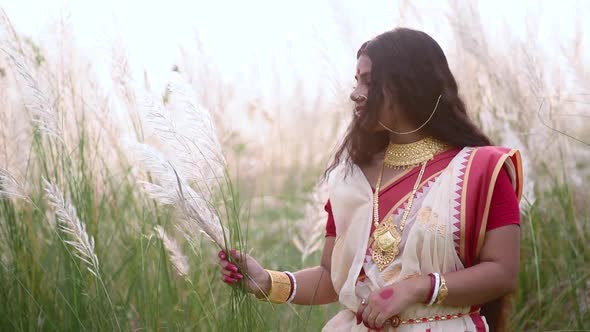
<point x="58" y="123"/>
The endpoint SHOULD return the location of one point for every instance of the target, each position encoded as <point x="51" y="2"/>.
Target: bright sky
<point x="285" y="34"/>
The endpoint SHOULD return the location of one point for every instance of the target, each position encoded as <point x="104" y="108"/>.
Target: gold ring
<point x="395" y="321"/>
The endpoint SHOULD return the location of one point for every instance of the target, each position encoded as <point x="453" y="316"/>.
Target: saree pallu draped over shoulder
<point x="444" y="232"/>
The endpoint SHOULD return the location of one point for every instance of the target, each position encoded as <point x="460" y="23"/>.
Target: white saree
<point x="427" y="246"/>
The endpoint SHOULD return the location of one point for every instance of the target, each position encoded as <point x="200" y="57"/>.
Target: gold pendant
<point x="386" y="240"/>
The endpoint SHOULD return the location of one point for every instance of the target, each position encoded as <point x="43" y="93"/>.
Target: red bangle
<point x="432" y="281"/>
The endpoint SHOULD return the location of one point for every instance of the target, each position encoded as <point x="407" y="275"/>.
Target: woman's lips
<point x="358" y="110"/>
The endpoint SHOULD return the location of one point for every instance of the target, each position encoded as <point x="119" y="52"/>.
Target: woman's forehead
<point x="363" y="64"/>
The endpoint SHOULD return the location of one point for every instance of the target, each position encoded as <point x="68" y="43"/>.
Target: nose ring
<point x="360" y="98"/>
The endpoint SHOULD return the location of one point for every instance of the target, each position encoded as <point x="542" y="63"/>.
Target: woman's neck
<point x="405" y="139"/>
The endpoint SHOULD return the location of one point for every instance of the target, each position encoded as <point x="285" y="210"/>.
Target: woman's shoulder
<point x="494" y="153"/>
<point x="494" y="149"/>
<point x="488" y="162"/>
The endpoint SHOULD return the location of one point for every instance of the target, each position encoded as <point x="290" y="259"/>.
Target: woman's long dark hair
<point x="413" y="69"/>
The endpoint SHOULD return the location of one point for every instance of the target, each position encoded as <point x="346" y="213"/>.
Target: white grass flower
<point x="35" y="98"/>
<point x="310" y="228"/>
<point x="70" y="224"/>
<point x="188" y="131"/>
<point x="177" y="258"/>
<point x="174" y="189"/>
<point x="191" y="168"/>
<point x="11" y="187"/>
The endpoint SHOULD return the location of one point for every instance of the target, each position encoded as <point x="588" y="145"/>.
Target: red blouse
<point x="504" y="209"/>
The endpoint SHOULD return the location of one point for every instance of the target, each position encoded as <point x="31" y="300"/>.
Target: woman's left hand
<point x="389" y="301"/>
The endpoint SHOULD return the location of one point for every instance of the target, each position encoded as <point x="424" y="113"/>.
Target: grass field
<point x="83" y="247"/>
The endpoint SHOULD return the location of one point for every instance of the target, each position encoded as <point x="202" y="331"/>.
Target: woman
<point x="423" y="218"/>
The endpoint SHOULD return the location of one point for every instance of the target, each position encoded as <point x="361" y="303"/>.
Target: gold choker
<point x="405" y="156"/>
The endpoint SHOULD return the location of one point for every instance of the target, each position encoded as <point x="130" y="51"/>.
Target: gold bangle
<point x="280" y="287"/>
<point x="443" y="291"/>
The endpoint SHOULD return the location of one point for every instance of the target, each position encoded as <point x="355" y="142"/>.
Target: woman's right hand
<point x="257" y="279"/>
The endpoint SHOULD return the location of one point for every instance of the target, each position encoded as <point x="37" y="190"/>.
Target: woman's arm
<point x="494" y="276"/>
<point x="314" y="285"/>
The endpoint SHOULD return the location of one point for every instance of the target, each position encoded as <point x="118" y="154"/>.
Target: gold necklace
<point x="386" y="236"/>
<point x="405" y="156"/>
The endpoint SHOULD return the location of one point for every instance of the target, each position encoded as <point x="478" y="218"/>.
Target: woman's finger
<point x="229" y="280"/>
<point x="359" y="312"/>
<point x="222" y="255"/>
<point x="226" y="265"/>
<point x="366" y="314"/>
<point x="370" y="317"/>
<point x="234" y="275"/>
<point x="237" y="255"/>
<point x="379" y="321"/>
<point x="231" y="267"/>
<point x="226" y="272"/>
<point x="234" y="253"/>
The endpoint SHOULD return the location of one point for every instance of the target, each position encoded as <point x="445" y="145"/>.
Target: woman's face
<point x="363" y="79"/>
<point x="361" y="91"/>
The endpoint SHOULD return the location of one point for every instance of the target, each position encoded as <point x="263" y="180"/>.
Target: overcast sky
<point x="236" y="34"/>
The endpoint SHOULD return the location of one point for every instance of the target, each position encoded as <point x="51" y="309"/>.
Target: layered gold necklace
<point x="387" y="237"/>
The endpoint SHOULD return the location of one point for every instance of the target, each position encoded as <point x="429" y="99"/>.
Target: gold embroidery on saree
<point x="429" y="220"/>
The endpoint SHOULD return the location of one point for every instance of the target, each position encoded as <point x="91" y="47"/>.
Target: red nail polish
<point x="222" y="255"/>
<point x="229" y="279"/>
<point x="239" y="276"/>
<point x="233" y="268"/>
<point x="358" y="319"/>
